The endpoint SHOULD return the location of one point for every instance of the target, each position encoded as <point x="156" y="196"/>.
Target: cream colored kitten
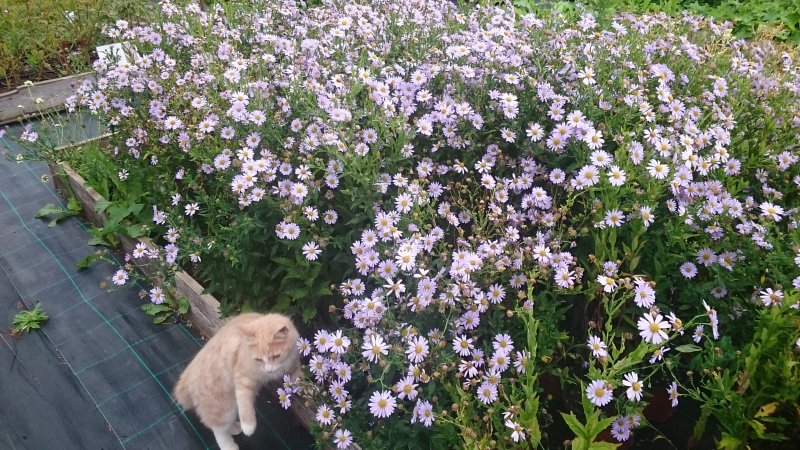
<point x="222" y="381"/>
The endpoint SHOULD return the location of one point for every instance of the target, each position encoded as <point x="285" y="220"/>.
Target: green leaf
<point x="135" y="208"/>
<point x="74" y="205"/>
<point x="84" y="263"/>
<point x="283" y="261"/>
<point x="688" y="348"/>
<point x="572" y="422"/>
<point x="51" y="209"/>
<point x="580" y="443"/>
<point x="102" y="205"/>
<point x="634" y="263"/>
<point x="323" y="290"/>
<point x="159" y="319"/>
<point x="48" y="209"/>
<point x="297" y="292"/>
<point x="603" y="446"/>
<point x="183" y="305"/>
<point x="135" y="231"/>
<point x="282" y="302"/>
<point x="308" y="314"/>
<point x="99" y="241"/>
<point x="600" y="426"/>
<point x="729" y="442"/>
<point x="153" y="309"/>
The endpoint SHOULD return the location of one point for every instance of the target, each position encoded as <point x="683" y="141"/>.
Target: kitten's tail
<point x="181" y="394"/>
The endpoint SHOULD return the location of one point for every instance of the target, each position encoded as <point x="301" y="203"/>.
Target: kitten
<point x="223" y="379"/>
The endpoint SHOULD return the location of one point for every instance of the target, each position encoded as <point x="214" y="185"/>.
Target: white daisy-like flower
<point x="487" y="393"/>
<point x="311" y="251"/>
<point x="157" y="296"/>
<point x="597" y="346"/>
<point x="688" y="269"/>
<point x="381" y="404"/>
<point x="338" y="342"/>
<point x="598" y="393"/>
<point x="518" y="433"/>
<point x="658" y="354"/>
<point x="588" y="175"/>
<point x="706" y="257"/>
<point x="417" y="349"/>
<point x="343" y="439"/>
<point x="609" y="284"/>
<point x="587" y="76"/>
<point x="325" y="415"/>
<point x="285" y="398"/>
<point x="616" y="176"/>
<point x="657" y="169"/>
<point x="374" y="348"/>
<point x="535" y="132"/>
<point x="770" y="297"/>
<point x="503" y="343"/>
<point x="191" y="209"/>
<point x="614" y="218"/>
<point x="673" y="393"/>
<point x="634" y="391"/>
<point x="463" y="345"/>
<point x="406" y="388"/>
<point x="774" y="212"/>
<point x="645" y="212"/>
<point x="120" y="277"/>
<point x="330" y="217"/>
<point x="644" y="295"/>
<point x="651" y="328"/>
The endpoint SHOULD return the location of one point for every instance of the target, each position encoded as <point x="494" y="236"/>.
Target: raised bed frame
<point x="21" y="103"/>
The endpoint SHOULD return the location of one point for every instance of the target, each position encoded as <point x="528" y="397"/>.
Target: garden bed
<point x="203" y="314"/>
<point x="471" y="213"/>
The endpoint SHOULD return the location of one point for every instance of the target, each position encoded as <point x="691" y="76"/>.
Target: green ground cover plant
<point x="43" y="39"/>
<point x="29" y="319"/>
<point x="469" y="199"/>
<point x="777" y="19"/>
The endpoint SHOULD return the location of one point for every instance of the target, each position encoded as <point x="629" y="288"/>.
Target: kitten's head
<point x="272" y="339"/>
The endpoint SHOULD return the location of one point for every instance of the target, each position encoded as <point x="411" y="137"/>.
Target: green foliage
<point x="778" y="19"/>
<point x="56" y="213"/>
<point x="586" y="433"/>
<point x="171" y="309"/>
<point x="42" y="39"/>
<point x="118" y="215"/>
<point x="29" y="319"/>
<point x="752" y="393"/>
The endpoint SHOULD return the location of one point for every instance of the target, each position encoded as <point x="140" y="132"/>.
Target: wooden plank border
<point x="29" y="101"/>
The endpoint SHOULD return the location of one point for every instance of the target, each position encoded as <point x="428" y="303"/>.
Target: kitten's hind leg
<point x="224" y="439"/>
<point x="235" y="428"/>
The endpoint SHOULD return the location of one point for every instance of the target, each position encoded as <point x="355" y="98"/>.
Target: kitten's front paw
<point x="236" y="428"/>
<point x="248" y="428"/>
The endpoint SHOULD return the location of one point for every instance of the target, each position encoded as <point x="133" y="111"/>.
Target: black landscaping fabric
<point x="98" y="375"/>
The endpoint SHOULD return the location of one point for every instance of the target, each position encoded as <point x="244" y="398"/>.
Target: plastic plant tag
<point x="116" y="53"/>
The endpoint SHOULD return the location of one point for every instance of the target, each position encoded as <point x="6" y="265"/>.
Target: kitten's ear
<point x="249" y="331"/>
<point x="282" y="334"/>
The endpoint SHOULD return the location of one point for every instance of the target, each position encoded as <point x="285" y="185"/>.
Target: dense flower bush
<point x="493" y="197"/>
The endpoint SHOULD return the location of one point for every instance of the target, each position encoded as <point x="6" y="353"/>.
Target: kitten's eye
<point x="260" y="359"/>
<point x="276" y="356"/>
